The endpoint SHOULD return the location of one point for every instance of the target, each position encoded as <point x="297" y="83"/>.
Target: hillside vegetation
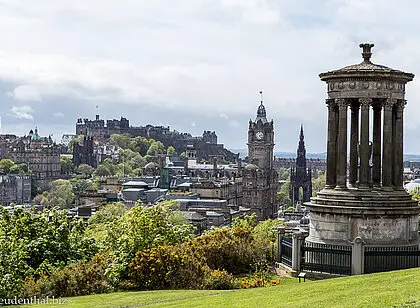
<point x="391" y="289"/>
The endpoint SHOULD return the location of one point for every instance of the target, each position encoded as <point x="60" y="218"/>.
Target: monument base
<point x="378" y="217"/>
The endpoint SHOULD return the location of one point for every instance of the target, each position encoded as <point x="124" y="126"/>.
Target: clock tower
<point x="261" y="140"/>
<point x="260" y="180"/>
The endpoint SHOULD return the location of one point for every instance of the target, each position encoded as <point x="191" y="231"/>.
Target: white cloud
<point x="58" y="115"/>
<point x="25" y="93"/>
<point x="205" y="57"/>
<point x="22" y="112"/>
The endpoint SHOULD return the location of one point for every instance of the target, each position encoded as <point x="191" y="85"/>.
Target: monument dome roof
<point x="366" y="68"/>
<point x="251" y="167"/>
<point x="151" y="165"/>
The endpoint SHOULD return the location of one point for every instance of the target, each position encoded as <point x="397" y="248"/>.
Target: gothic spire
<point x="301" y="133"/>
<point x="301" y="151"/>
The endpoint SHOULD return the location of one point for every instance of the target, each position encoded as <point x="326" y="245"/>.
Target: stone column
<point x="387" y="145"/>
<point x="398" y="146"/>
<point x="364" y="143"/>
<point x="342" y="144"/>
<point x="332" y="144"/>
<point x="357" y="256"/>
<point x="297" y="241"/>
<point x="376" y="156"/>
<point x="354" y="141"/>
<point x="280" y="235"/>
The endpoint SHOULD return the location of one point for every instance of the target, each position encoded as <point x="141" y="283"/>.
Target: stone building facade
<point x="300" y="176"/>
<point x="225" y="189"/>
<point x="84" y="153"/>
<point x="316" y="164"/>
<point x="15" y="189"/>
<point x="260" y="180"/>
<point x="41" y="155"/>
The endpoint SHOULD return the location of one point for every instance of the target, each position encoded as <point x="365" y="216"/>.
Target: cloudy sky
<point x="195" y="64"/>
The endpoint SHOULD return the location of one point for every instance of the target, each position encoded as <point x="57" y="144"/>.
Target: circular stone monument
<point x="364" y="197"/>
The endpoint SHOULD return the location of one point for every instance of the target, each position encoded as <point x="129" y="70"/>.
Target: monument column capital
<point x="341" y="103"/>
<point x="390" y="102"/>
<point x="365" y="102"/>
<point x="401" y="104"/>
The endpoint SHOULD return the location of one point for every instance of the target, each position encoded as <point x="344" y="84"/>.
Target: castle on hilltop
<point x="206" y="145"/>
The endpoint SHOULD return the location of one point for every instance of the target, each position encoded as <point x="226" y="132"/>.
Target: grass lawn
<point x="392" y="289"/>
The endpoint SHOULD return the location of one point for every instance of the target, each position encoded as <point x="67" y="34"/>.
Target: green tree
<point x="156" y="147"/>
<point x="19" y="169"/>
<point x="144" y="227"/>
<point x="112" y="167"/>
<point x="122" y="141"/>
<point x="80" y="185"/>
<point x="67" y="166"/>
<point x="138" y="162"/>
<point x="85" y="170"/>
<point x="60" y="194"/>
<point x="140" y="145"/>
<point x="283" y="196"/>
<point x="78" y="139"/>
<point x="102" y="170"/>
<point x="35" y="243"/>
<point x="101" y="221"/>
<point x="5" y="165"/>
<point x="284" y="173"/>
<point x="318" y="184"/>
<point x="171" y="151"/>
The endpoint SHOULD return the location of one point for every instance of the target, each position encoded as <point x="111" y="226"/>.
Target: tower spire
<point x="301" y="137"/>
<point x="261" y="95"/>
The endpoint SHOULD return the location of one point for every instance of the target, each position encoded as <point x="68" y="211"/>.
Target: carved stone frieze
<point x="350" y="85"/>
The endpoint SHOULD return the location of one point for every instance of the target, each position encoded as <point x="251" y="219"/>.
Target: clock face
<point x="259" y="135"/>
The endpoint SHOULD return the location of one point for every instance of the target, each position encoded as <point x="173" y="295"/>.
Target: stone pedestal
<point x="377" y="217"/>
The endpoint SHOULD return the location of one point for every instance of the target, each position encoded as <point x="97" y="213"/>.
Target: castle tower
<point x="259" y="178"/>
<point x="300" y="176"/>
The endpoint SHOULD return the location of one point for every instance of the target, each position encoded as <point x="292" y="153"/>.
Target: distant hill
<point x="244" y="152"/>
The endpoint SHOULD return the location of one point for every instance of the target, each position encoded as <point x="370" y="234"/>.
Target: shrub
<point x="257" y="281"/>
<point x="166" y="267"/>
<point x="81" y="278"/>
<point x="144" y="227"/>
<point x="220" y="280"/>
<point x="232" y="249"/>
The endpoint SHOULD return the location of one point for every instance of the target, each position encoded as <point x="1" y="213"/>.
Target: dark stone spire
<point x="301" y="151"/>
<point x="300" y="176"/>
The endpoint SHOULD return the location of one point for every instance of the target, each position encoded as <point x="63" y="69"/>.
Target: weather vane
<point x="261" y="93"/>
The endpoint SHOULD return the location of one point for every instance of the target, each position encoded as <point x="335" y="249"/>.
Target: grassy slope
<point x="376" y="290"/>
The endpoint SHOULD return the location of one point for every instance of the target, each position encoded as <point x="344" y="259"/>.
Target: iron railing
<point x="326" y="258"/>
<point x="382" y="259"/>
<point x="286" y="251"/>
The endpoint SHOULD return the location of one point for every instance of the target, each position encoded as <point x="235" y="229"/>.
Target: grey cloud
<point x="160" y="62"/>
